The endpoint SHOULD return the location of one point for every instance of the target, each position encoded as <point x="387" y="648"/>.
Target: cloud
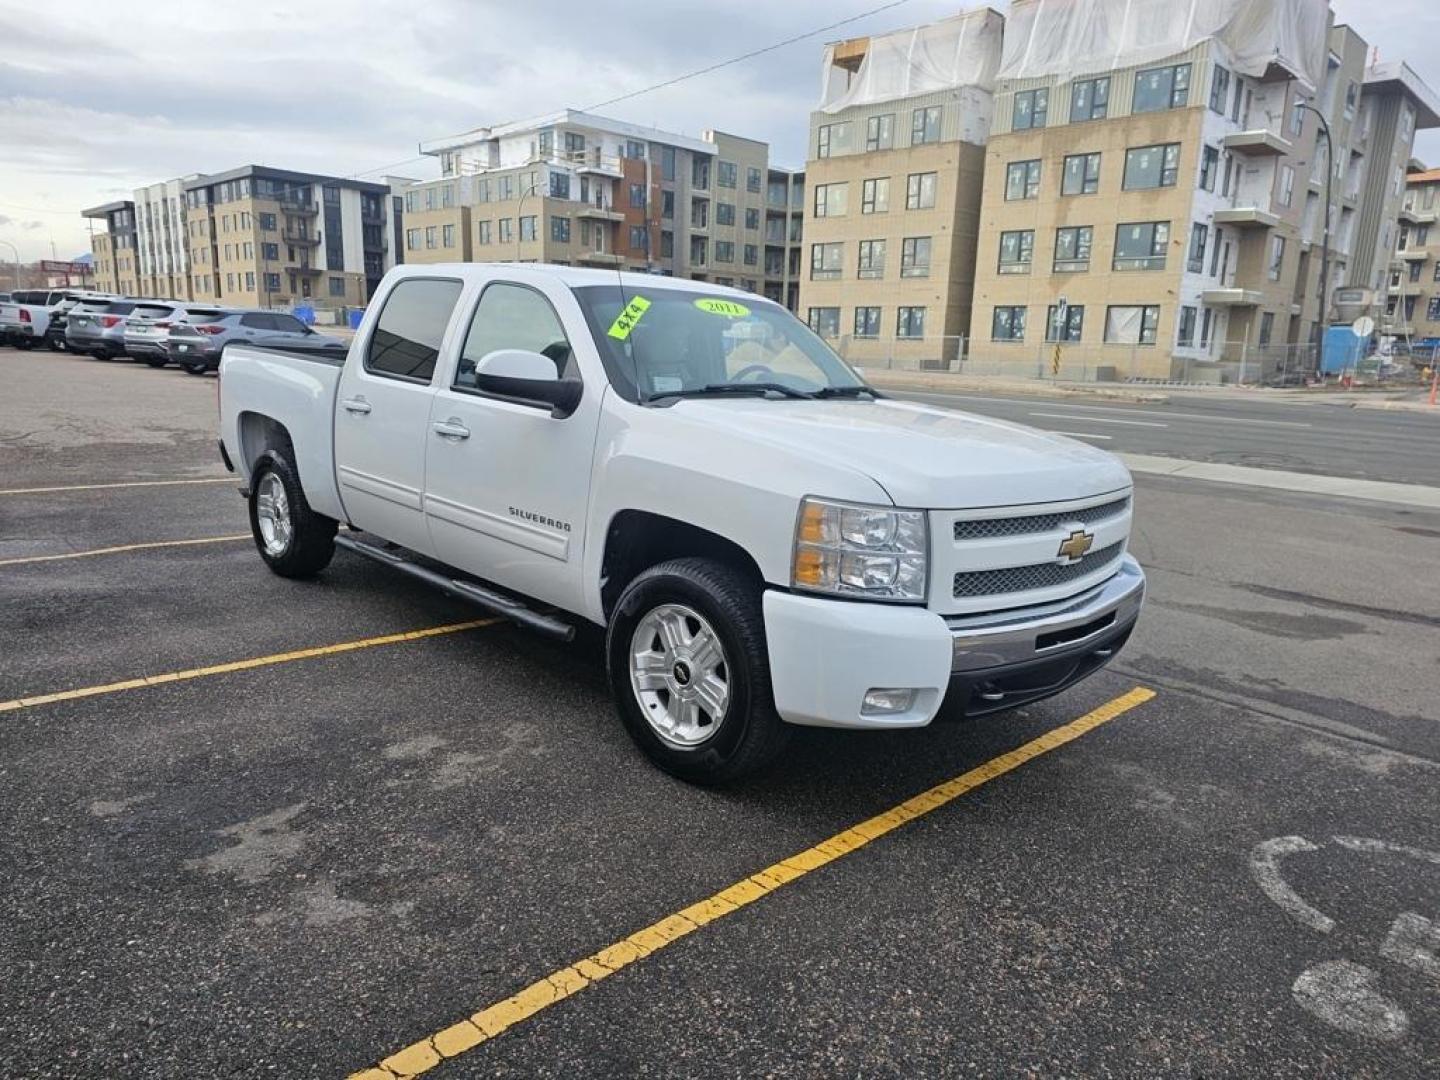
<point x="6" y="221"/>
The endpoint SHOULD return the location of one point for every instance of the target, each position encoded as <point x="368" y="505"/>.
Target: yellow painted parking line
<point x="242" y="665"/>
<point x="152" y="545"/>
<point x="465" y="1035"/>
<point x="124" y="484"/>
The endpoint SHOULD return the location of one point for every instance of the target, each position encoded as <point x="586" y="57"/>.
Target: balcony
<point x="600" y="258"/>
<point x="590" y="161"/>
<point x="1232" y="297"/>
<point x="300" y="239"/>
<point x="1246" y="217"/>
<point x="1405" y="288"/>
<point x="295" y="207"/>
<point x="304" y="268"/>
<point x="596" y="212"/>
<point x="1417" y="216"/>
<point x="1259" y="143"/>
<point x="1414" y="254"/>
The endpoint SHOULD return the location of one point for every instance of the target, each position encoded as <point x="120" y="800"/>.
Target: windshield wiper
<point x="846" y="391"/>
<point x="749" y="389"/>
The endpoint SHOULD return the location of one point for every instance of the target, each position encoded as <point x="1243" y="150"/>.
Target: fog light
<point x="881" y="700"/>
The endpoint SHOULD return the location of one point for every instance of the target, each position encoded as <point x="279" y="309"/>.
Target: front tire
<point x="196" y="369"/>
<point x="294" y="541"/>
<point x="690" y="671"/>
<point x="156" y="361"/>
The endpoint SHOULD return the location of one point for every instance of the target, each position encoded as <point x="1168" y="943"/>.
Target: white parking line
<point x="126" y="484"/>
<point x="1166" y="413"/>
<point x="1081" y="435"/>
<point x="1101" y="420"/>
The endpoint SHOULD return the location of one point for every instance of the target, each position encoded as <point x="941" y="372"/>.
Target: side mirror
<point x="529" y="376"/>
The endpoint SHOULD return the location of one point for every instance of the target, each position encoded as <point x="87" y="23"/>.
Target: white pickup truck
<point x="765" y="539"/>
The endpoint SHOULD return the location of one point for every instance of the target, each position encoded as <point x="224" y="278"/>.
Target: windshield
<point x="661" y="341"/>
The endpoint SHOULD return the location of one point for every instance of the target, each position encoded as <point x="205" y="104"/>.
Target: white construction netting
<point x="1066" y="38"/>
<point x="960" y="51"/>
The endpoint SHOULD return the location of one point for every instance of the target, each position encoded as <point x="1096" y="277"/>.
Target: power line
<point x="746" y="56"/>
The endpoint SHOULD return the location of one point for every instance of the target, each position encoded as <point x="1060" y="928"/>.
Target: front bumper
<point x="826" y="655"/>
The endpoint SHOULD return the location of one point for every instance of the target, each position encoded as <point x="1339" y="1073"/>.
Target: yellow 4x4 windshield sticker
<point x="626" y="320"/>
<point x="728" y="308"/>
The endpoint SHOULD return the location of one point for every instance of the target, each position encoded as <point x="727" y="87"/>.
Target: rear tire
<point x="685" y="635"/>
<point x="294" y="541"/>
<point x="156" y="361"/>
<point x="196" y="369"/>
<point x="24" y="344"/>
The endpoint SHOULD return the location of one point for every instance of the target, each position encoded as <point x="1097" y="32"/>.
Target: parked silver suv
<point x="147" y="329"/>
<point x="97" y="326"/>
<point x="196" y="345"/>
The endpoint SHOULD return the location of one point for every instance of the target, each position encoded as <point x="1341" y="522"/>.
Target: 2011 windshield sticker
<point x="728" y="308"/>
<point x="626" y="320"/>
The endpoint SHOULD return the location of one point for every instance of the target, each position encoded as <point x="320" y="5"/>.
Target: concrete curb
<point x="1415" y="496"/>
<point x="909" y="380"/>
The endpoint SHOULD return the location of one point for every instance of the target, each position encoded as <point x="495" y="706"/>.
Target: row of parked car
<point x="158" y="332"/>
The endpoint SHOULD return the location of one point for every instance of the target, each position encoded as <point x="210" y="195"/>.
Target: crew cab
<point x="765" y="539"/>
<point x="25" y="316"/>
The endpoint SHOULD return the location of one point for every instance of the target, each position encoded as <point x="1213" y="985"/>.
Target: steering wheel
<point x="763" y="369"/>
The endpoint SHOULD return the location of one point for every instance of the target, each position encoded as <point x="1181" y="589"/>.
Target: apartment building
<point x="1412" y="294"/>
<point x="115" y="250"/>
<point x="255" y="236"/>
<point x="576" y="188"/>
<point x="895" y="172"/>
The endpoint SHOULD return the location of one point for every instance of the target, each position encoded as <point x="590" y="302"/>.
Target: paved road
<point x="299" y="867"/>
<point x="1330" y="439"/>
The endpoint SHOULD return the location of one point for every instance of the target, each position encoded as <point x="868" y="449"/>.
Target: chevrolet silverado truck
<point x="764" y="539"/>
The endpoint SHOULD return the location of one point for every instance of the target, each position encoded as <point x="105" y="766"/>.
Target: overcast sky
<point x="102" y="96"/>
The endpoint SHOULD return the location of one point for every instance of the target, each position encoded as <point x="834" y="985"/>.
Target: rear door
<point x="507" y="485"/>
<point x="382" y="415"/>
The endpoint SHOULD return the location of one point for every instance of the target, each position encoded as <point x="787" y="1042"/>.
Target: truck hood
<point x="924" y="457"/>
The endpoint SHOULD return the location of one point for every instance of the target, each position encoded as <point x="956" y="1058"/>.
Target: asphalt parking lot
<point x="253" y="827"/>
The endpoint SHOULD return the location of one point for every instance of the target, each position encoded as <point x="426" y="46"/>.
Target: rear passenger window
<point x="406" y="341"/>
<point x="514" y="317"/>
<point x="289" y="324"/>
<point x="256" y="321"/>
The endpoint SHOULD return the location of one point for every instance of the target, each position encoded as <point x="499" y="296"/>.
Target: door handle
<point x="356" y="405"/>
<point x="451" y="429"/>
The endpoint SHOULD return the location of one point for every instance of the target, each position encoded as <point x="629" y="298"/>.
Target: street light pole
<point x="15" y="249"/>
<point x="1325" y="235"/>
<point x="519" y="232"/>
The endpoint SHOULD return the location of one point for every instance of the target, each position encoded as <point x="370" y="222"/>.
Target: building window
<point x="667" y="163"/>
<point x="1072" y="249"/>
<point x="831" y="199"/>
<point x="1132" y="325"/>
<point x="867" y="322"/>
<point x="1141" y="245"/>
<point x="1432" y="308"/>
<point x="1215" y="252"/>
<point x="482" y="232"/>
<point x="752" y="218"/>
<point x="505" y="188"/>
<point x="752" y="255"/>
<point x="825" y="321"/>
<point x="725" y="251"/>
<point x="1287" y="184"/>
<point x="700" y="174"/>
<point x="875" y="195"/>
<point x="482" y="191"/>
<point x="699" y="250"/>
<point x="1414" y="271"/>
<point x="1209" y="163"/>
<point x="1008" y="324"/>
<point x="1185" y="335"/>
<point x="430" y="198"/>
<point x="1297" y="116"/>
<point x="915" y="257"/>
<point x="880" y="132"/>
<point x="725" y="213"/>
<point x="559" y="229"/>
<point x="637" y="196"/>
<point x="337" y="286"/>
<point x="527" y="228"/>
<point x="1219" y="90"/>
<point x="447" y="196"/>
<point x="560" y="185"/>
<point x="1151" y="166"/>
<point x="1352" y="96"/>
<point x="699" y="213"/>
<point x="1081" y="175"/>
<point x="1017" y="249"/>
<point x="910" y="322"/>
<point x="429" y="236"/>
<point x="1199" y="233"/>
<point x="272" y="282"/>
<point x="920" y="191"/>
<point x="1022" y="180"/>
<point x="1162" y="88"/>
<point x="574" y="143"/>
<point x="725" y="174"/>
<point x="1029" y="109"/>
<point x="667" y="244"/>
<point x="925" y="125"/>
<point x="506" y="230"/>
<point x="1064" y="324"/>
<point x="447" y="236"/>
<point x="267" y="251"/>
<point x="1267" y="327"/>
<point x="831" y="137"/>
<point x="1205" y="323"/>
<point x="1089" y="99"/>
<point x="1277" y="258"/>
<point x="752" y="179"/>
<point x="872" y="259"/>
<point x="634" y="150"/>
<point x="826" y="261"/>
<point x="267" y="222"/>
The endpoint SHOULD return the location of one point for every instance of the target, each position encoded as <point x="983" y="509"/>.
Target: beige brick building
<point x="1412" y="291"/>
<point x="893" y="212"/>
<point x="575" y="188"/>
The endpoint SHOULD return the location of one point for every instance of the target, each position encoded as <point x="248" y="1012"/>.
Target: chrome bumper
<point x="983" y="642"/>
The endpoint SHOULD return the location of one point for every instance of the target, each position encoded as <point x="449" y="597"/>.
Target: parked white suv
<point x="766" y="540"/>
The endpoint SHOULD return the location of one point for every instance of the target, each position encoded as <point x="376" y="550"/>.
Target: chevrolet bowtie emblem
<point x="1074" y="546"/>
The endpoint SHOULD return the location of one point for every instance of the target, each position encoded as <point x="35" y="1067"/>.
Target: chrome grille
<point x="1012" y="579"/>
<point x="1019" y="526"/>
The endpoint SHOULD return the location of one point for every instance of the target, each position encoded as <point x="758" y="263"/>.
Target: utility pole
<point x="15" y="249"/>
<point x="1324" y="321"/>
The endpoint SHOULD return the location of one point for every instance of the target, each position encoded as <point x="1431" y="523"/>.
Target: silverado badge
<point x="1074" y="546"/>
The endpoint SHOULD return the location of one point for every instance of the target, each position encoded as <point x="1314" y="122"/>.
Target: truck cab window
<point x="406" y="341"/>
<point x="514" y="317"/>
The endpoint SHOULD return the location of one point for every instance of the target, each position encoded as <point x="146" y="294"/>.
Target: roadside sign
<point x="1364" y="326"/>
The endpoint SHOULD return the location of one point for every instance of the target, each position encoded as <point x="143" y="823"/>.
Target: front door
<point x="506" y="484"/>
<point x="382" y="416"/>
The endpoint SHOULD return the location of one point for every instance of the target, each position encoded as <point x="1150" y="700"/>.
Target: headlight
<point x="872" y="552"/>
